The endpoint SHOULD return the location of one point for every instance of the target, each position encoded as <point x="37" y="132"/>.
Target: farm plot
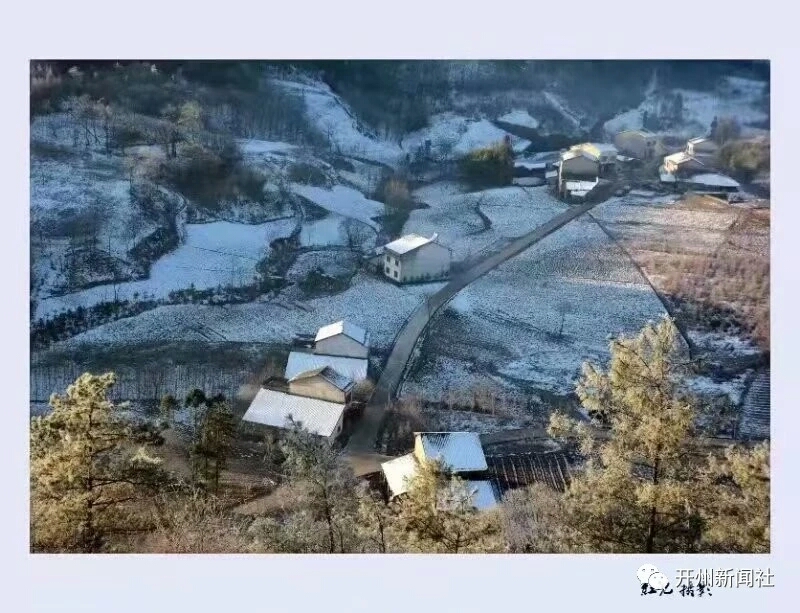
<point x="344" y="201"/>
<point x="371" y="303"/>
<point x="533" y="321"/>
<point x="453" y="215"/>
<point x="81" y="204"/>
<point x="214" y="254"/>
<point x="710" y="259"/>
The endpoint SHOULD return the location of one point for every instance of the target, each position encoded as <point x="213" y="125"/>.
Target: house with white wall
<point x="416" y="258"/>
<point x="342" y="338"/>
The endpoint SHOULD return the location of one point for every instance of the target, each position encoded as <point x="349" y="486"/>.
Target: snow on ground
<point x="723" y="344"/>
<point x="345" y="201"/>
<point x="255" y="147"/>
<point x="334" y="119"/>
<point x="69" y="195"/>
<point x="507" y="323"/>
<point x="561" y="106"/>
<point x="520" y="117"/>
<point x="375" y="305"/>
<point x="449" y="420"/>
<point x="513" y="211"/>
<point x="219" y="253"/>
<point x="734" y="97"/>
<point x="456" y="135"/>
<point x="322" y="232"/>
<point x="707" y="387"/>
<point x="665" y="223"/>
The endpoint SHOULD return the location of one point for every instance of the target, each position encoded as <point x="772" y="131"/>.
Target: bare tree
<point x="356" y="235"/>
<point x="564" y="308"/>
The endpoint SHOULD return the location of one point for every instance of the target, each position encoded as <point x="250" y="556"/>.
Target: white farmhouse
<point x="342" y="339"/>
<point x="416" y="258"/>
<point x="460" y="453"/>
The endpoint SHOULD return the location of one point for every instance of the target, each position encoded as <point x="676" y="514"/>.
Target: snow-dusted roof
<point x="483" y="494"/>
<point x="399" y="472"/>
<point x="273" y="408"/>
<point x="408" y="243"/>
<point x="713" y="180"/>
<point x="551" y="174"/>
<point x="700" y="139"/>
<point x="299" y="361"/>
<point x="593" y="151"/>
<point x="641" y="132"/>
<point x="531" y="165"/>
<point x="337" y="379"/>
<point x="681" y="158"/>
<point x="459" y="451"/>
<point x="575" y="186"/>
<point x="577" y="153"/>
<point x="342" y="327"/>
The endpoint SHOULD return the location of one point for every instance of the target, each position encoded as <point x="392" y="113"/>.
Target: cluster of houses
<point x="579" y="171"/>
<point x="318" y="382"/>
<point x="460" y="453"/>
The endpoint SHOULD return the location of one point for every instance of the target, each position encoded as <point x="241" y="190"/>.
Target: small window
<point x="389" y="259"/>
<point x="395" y="274"/>
<point x="386" y="269"/>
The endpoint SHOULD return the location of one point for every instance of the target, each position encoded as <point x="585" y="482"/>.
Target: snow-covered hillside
<point x="734" y="97"/>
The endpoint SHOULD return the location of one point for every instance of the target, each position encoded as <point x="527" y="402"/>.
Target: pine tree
<point x="438" y="516"/>
<point x="635" y="492"/>
<point x="215" y="440"/>
<point x="327" y="483"/>
<point x="735" y="491"/>
<point x="87" y="471"/>
<point x="646" y="486"/>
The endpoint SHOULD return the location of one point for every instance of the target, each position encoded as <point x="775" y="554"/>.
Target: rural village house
<point x="682" y="164"/>
<point x="640" y="144"/>
<point x="317" y="385"/>
<point x="416" y="258"/>
<point x="460" y="453"/>
<point x="324" y="383"/>
<point x="342" y="339"/>
<point x="581" y="166"/>
<point x="702" y="147"/>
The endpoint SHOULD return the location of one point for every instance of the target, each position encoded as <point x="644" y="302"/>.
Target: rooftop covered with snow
<point x="408" y="243"/>
<point x="681" y="158"/>
<point x="713" y="180"/>
<point x="335" y="378"/>
<point x="273" y="408"/>
<point x="459" y="451"/>
<point x="299" y="362"/>
<point x="342" y="327"/>
<point x="399" y="472"/>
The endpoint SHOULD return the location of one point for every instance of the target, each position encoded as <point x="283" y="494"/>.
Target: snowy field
<point x="512" y="211"/>
<point x="214" y="254"/>
<point x="344" y="201"/>
<point x="377" y="306"/>
<point x="507" y="323"/>
<point x="735" y="97"/>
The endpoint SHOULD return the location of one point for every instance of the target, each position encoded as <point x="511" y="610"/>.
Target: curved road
<point x="361" y="446"/>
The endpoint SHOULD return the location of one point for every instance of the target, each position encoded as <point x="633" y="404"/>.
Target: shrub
<point x="489" y="166"/>
<point x="745" y="158"/>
